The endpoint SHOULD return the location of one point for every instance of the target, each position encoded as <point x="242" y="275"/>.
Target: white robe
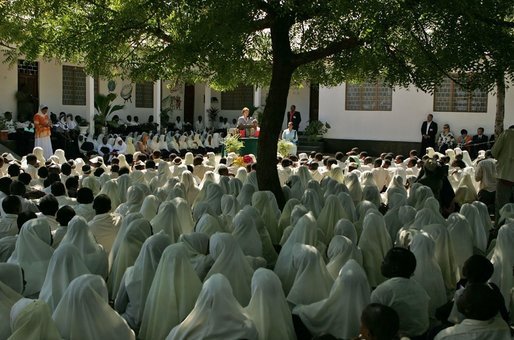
<point x="32" y="320"/>
<point x="105" y="228"/>
<point x="216" y="315"/>
<point x="84" y="312"/>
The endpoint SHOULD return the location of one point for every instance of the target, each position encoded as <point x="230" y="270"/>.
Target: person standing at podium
<point x="244" y="123"/>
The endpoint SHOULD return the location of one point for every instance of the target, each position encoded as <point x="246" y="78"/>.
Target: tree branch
<point x="323" y="52"/>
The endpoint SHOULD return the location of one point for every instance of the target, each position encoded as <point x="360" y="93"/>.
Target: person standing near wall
<point x="503" y="151"/>
<point x="43" y="127"/>
<point x="428" y="133"/>
<point x="295" y="117"/>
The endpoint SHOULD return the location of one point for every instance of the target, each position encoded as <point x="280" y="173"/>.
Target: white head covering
<point x="241" y="174"/>
<point x="428" y="273"/>
<point x="84" y="312"/>
<point x="285" y="217"/>
<point x="444" y="253"/>
<point x="374" y="242"/>
<point x="312" y="282"/>
<point x="503" y="262"/>
<point x="230" y="261"/>
<point x="197" y="245"/>
<point x="476" y="223"/>
<point x="136" y="234"/>
<point x="191" y="190"/>
<point x="93" y="183"/>
<point x="348" y="206"/>
<point x="246" y="234"/>
<point x="235" y="186"/>
<point x="122" y="149"/>
<point x="462" y="239"/>
<point x="484" y="214"/>
<point x="135" y="196"/>
<point x="304" y="232"/>
<point x="268" y="307"/>
<point x="245" y="195"/>
<point x="40" y="154"/>
<point x="172" y="295"/>
<point x="60" y="156"/>
<point x="8" y="297"/>
<point x="251" y="178"/>
<point x="93" y="255"/>
<point x="138" y="278"/>
<point x="33" y="253"/>
<point x="268" y="251"/>
<point x="150" y="207"/>
<point x="110" y="188"/>
<point x="167" y="221"/>
<point x="311" y="201"/>
<point x="216" y="315"/>
<point x="340" y="251"/>
<point x="266" y="204"/>
<point x="65" y="265"/>
<point x="131" y="149"/>
<point x="352" y="183"/>
<point x="331" y="213"/>
<point x="32" y="320"/>
<point x="339" y="314"/>
<point x="208" y="224"/>
<point x="345" y="227"/>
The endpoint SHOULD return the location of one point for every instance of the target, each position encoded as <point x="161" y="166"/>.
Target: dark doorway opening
<point x="189" y="104"/>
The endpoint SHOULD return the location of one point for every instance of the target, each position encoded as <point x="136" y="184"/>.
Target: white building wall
<point x="8" y="87"/>
<point x="409" y="109"/>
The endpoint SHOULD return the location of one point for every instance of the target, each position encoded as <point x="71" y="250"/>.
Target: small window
<point x="144" y="95"/>
<point x="451" y="97"/>
<point x="236" y="99"/>
<point x="369" y="97"/>
<point x="73" y="85"/>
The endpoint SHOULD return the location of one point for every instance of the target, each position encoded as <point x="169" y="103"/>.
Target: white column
<point x="207" y="105"/>
<point x="90" y="103"/>
<point x="157" y="103"/>
<point x="257" y="94"/>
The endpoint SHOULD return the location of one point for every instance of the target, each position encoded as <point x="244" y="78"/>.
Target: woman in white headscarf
<point x="150" y="207"/>
<point x="340" y="250"/>
<point x="246" y="234"/>
<point x="216" y="315"/>
<point x="285" y="216"/>
<point x="503" y="262"/>
<point x="331" y="212"/>
<point x="230" y="261"/>
<point x="11" y="287"/>
<point x="93" y="183"/>
<point x="339" y="314"/>
<point x="135" y="197"/>
<point x="162" y="145"/>
<point x="132" y="240"/>
<point x="84" y="312"/>
<point x="172" y="295"/>
<point x="245" y="195"/>
<point x="428" y="273"/>
<point x="197" y="245"/>
<point x="266" y="205"/>
<point x="93" y="255"/>
<point x="251" y="178"/>
<point x="345" y="227"/>
<point x="32" y="253"/>
<point x="241" y="174"/>
<point x="348" y="206"/>
<point x="305" y="232"/>
<point x="32" y="320"/>
<point x="312" y="282"/>
<point x="268" y="308"/>
<point x="229" y="209"/>
<point x="167" y="221"/>
<point x="191" y="190"/>
<point x="461" y="237"/>
<point x="123" y="162"/>
<point x="40" y="155"/>
<point x="374" y="242"/>
<point x="120" y="147"/>
<point x="65" y="265"/>
<point x="352" y="183"/>
<point x="59" y="153"/>
<point x="131" y="148"/>
<point x="235" y="186"/>
<point x="311" y="201"/>
<point x="110" y="188"/>
<point x="476" y="223"/>
<point x="135" y="285"/>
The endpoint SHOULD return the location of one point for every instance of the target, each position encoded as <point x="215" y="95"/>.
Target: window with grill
<point x="451" y="97"/>
<point x="73" y="85"/>
<point x="144" y="95"/>
<point x="375" y="96"/>
<point x="236" y="99"/>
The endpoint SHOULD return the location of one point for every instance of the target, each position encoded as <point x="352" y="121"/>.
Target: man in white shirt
<point x="105" y="225"/>
<point x="199" y="125"/>
<point x="48" y="206"/>
<point x="480" y="306"/>
<point x="485" y="175"/>
<point x="407" y="297"/>
<point x="84" y="207"/>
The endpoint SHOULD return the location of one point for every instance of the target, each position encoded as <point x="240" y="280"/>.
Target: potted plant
<point x="284" y="147"/>
<point x="233" y="144"/>
<point x="213" y="112"/>
<point x="316" y="129"/>
<point x="104" y="108"/>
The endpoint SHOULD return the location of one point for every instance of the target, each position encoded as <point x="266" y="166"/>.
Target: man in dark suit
<point x="295" y="117"/>
<point x="479" y="142"/>
<point x="428" y="133"/>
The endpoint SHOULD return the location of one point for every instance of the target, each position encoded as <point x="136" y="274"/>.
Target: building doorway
<point x="27" y="96"/>
<point x="314" y="102"/>
<point x="189" y="103"/>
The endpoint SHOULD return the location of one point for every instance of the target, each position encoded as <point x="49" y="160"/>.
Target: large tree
<point x="226" y="42"/>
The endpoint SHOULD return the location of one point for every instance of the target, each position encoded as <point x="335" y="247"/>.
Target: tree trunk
<point x="273" y="115"/>
<point x="500" y="105"/>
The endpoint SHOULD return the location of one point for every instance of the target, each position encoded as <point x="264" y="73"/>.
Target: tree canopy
<point x="270" y="43"/>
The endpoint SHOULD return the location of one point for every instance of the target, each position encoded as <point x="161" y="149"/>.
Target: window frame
<point x="452" y="105"/>
<point x="378" y="85"/>
<point x="144" y="102"/>
<point x="78" y="96"/>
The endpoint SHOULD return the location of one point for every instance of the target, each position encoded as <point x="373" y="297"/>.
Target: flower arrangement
<point x="232" y="143"/>
<point x="243" y="160"/>
<point x="284" y="148"/>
